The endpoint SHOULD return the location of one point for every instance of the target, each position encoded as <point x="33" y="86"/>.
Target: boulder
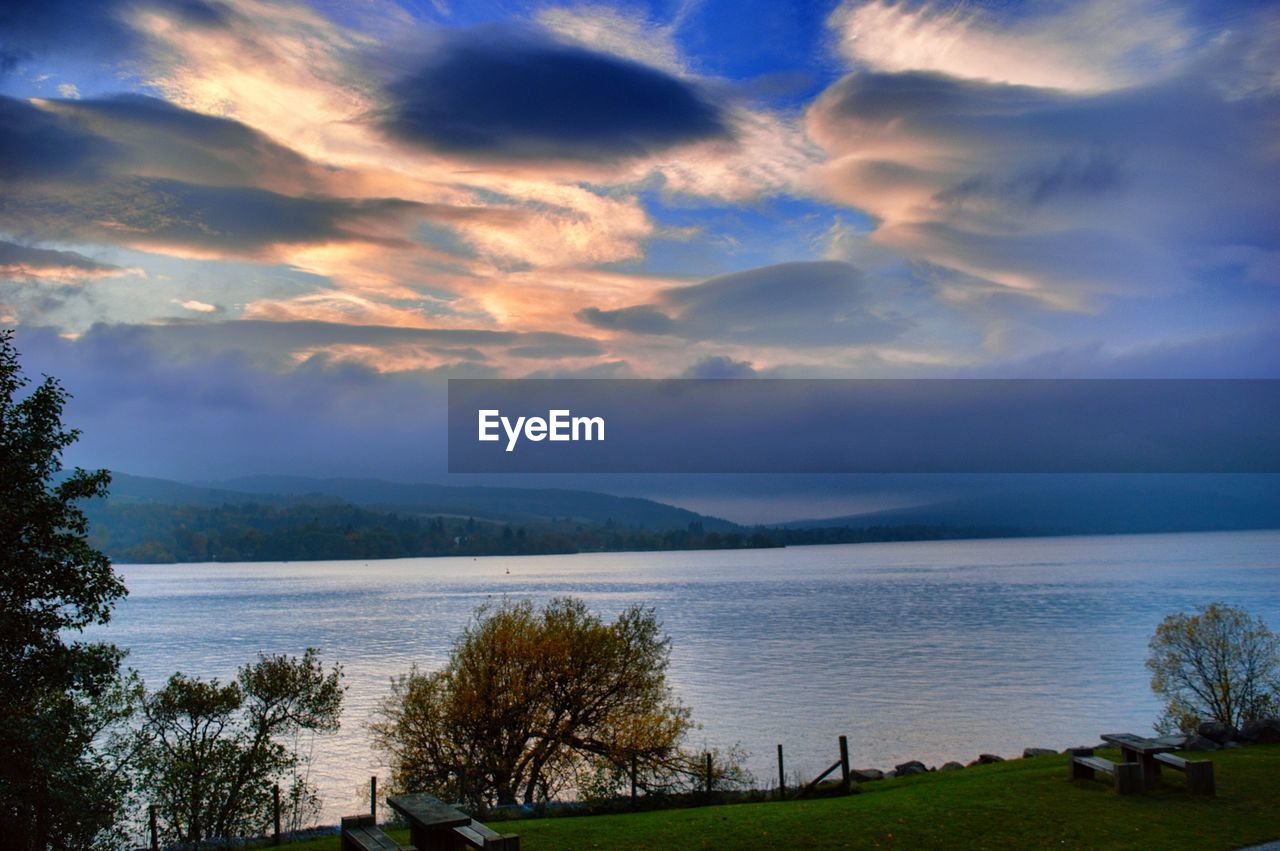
<point x="1261" y="731"/>
<point x="987" y="759"/>
<point x="912" y="767"/>
<point x="1226" y="745"/>
<point x="1027" y="753"/>
<point x="1177" y="740"/>
<point x="950" y="766"/>
<point x="1199" y="743"/>
<point x="1216" y="731"/>
<point x="864" y="775"/>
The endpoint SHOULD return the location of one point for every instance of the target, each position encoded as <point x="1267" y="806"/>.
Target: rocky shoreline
<point x="1209" y="736"/>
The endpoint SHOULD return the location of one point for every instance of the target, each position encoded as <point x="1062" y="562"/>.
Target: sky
<point x="257" y="237"/>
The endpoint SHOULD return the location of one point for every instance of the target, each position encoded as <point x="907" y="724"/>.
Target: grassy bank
<point x="1016" y="804"/>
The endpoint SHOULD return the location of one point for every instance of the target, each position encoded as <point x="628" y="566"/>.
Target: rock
<point x="1199" y="743"/>
<point x="1262" y="731"/>
<point x="864" y="775"/>
<point x="1226" y="745"/>
<point x="1216" y="731"/>
<point x="1177" y="740"/>
<point x="950" y="766"/>
<point x="908" y="768"/>
<point x="1027" y="753"/>
<point x="987" y="759"/>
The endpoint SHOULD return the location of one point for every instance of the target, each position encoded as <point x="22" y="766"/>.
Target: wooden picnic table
<point x="1142" y="751"/>
<point x="436" y="826"/>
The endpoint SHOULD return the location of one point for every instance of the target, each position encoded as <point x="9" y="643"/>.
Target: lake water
<point x="932" y="651"/>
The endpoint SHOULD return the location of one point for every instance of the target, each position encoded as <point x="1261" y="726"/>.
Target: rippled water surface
<point x="932" y="650"/>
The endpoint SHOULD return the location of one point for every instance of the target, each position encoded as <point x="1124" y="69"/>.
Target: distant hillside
<point x="287" y="519"/>
<point x="503" y="505"/>
<point x="150" y="532"/>
<point x="496" y="503"/>
<point x="1096" y="504"/>
<point x="282" y="519"/>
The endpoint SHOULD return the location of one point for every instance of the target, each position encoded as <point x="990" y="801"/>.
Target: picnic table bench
<point x="1199" y="772"/>
<point x="1083" y="765"/>
<point x="361" y="833"/>
<point x="436" y="826"/>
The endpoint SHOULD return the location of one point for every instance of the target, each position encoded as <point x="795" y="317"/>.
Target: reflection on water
<point x="932" y="650"/>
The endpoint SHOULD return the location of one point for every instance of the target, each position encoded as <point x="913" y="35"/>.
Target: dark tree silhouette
<point x="57" y="695"/>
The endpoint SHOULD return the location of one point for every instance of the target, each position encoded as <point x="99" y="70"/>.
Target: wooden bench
<point x="361" y="833"/>
<point x="436" y="826"/>
<point x="1084" y="766"/>
<point x="478" y="835"/>
<point x="1199" y="772"/>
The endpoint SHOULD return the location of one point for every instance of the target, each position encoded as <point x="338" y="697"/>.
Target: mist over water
<point x="932" y="650"/>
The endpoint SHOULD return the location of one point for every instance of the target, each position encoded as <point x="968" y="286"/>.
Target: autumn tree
<point x="532" y="701"/>
<point x="214" y="751"/>
<point x="1216" y="664"/>
<point x="61" y="779"/>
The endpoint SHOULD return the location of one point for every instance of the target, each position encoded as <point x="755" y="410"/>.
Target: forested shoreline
<point x="151" y="533"/>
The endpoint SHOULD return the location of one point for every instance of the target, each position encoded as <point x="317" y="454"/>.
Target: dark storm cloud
<point x="38" y="145"/>
<point x="236" y="220"/>
<point x="167" y="140"/>
<point x="94" y="29"/>
<point x="719" y="366"/>
<point x="502" y="94"/>
<point x="275" y="343"/>
<point x="638" y="319"/>
<point x="153" y="413"/>
<point x="820" y="303"/>
<point x="69" y="172"/>
<point x="885" y="97"/>
<point x="20" y="260"/>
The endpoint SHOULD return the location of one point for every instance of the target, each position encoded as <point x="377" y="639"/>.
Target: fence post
<point x="373" y="797"/>
<point x="633" y="781"/>
<point x="275" y="808"/>
<point x="155" y="831"/>
<point x="782" y="777"/>
<point x="708" y="775"/>
<point x="844" y="765"/>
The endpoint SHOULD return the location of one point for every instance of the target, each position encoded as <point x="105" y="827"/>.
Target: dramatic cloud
<point x="821" y="303"/>
<point x="1085" y="46"/>
<point x="24" y="261"/>
<point x="1064" y="196"/>
<point x="719" y="366"/>
<point x="282" y="346"/>
<point x="157" y="139"/>
<point x="88" y="29"/>
<point x="638" y="319"/>
<point x="38" y="146"/>
<point x="507" y="95"/>
<point x="136" y="171"/>
<point x="184" y="218"/>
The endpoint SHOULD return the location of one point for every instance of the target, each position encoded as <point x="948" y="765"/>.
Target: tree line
<point x="151" y="533"/>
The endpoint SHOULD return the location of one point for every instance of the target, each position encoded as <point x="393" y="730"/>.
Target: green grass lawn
<point x="1025" y="803"/>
